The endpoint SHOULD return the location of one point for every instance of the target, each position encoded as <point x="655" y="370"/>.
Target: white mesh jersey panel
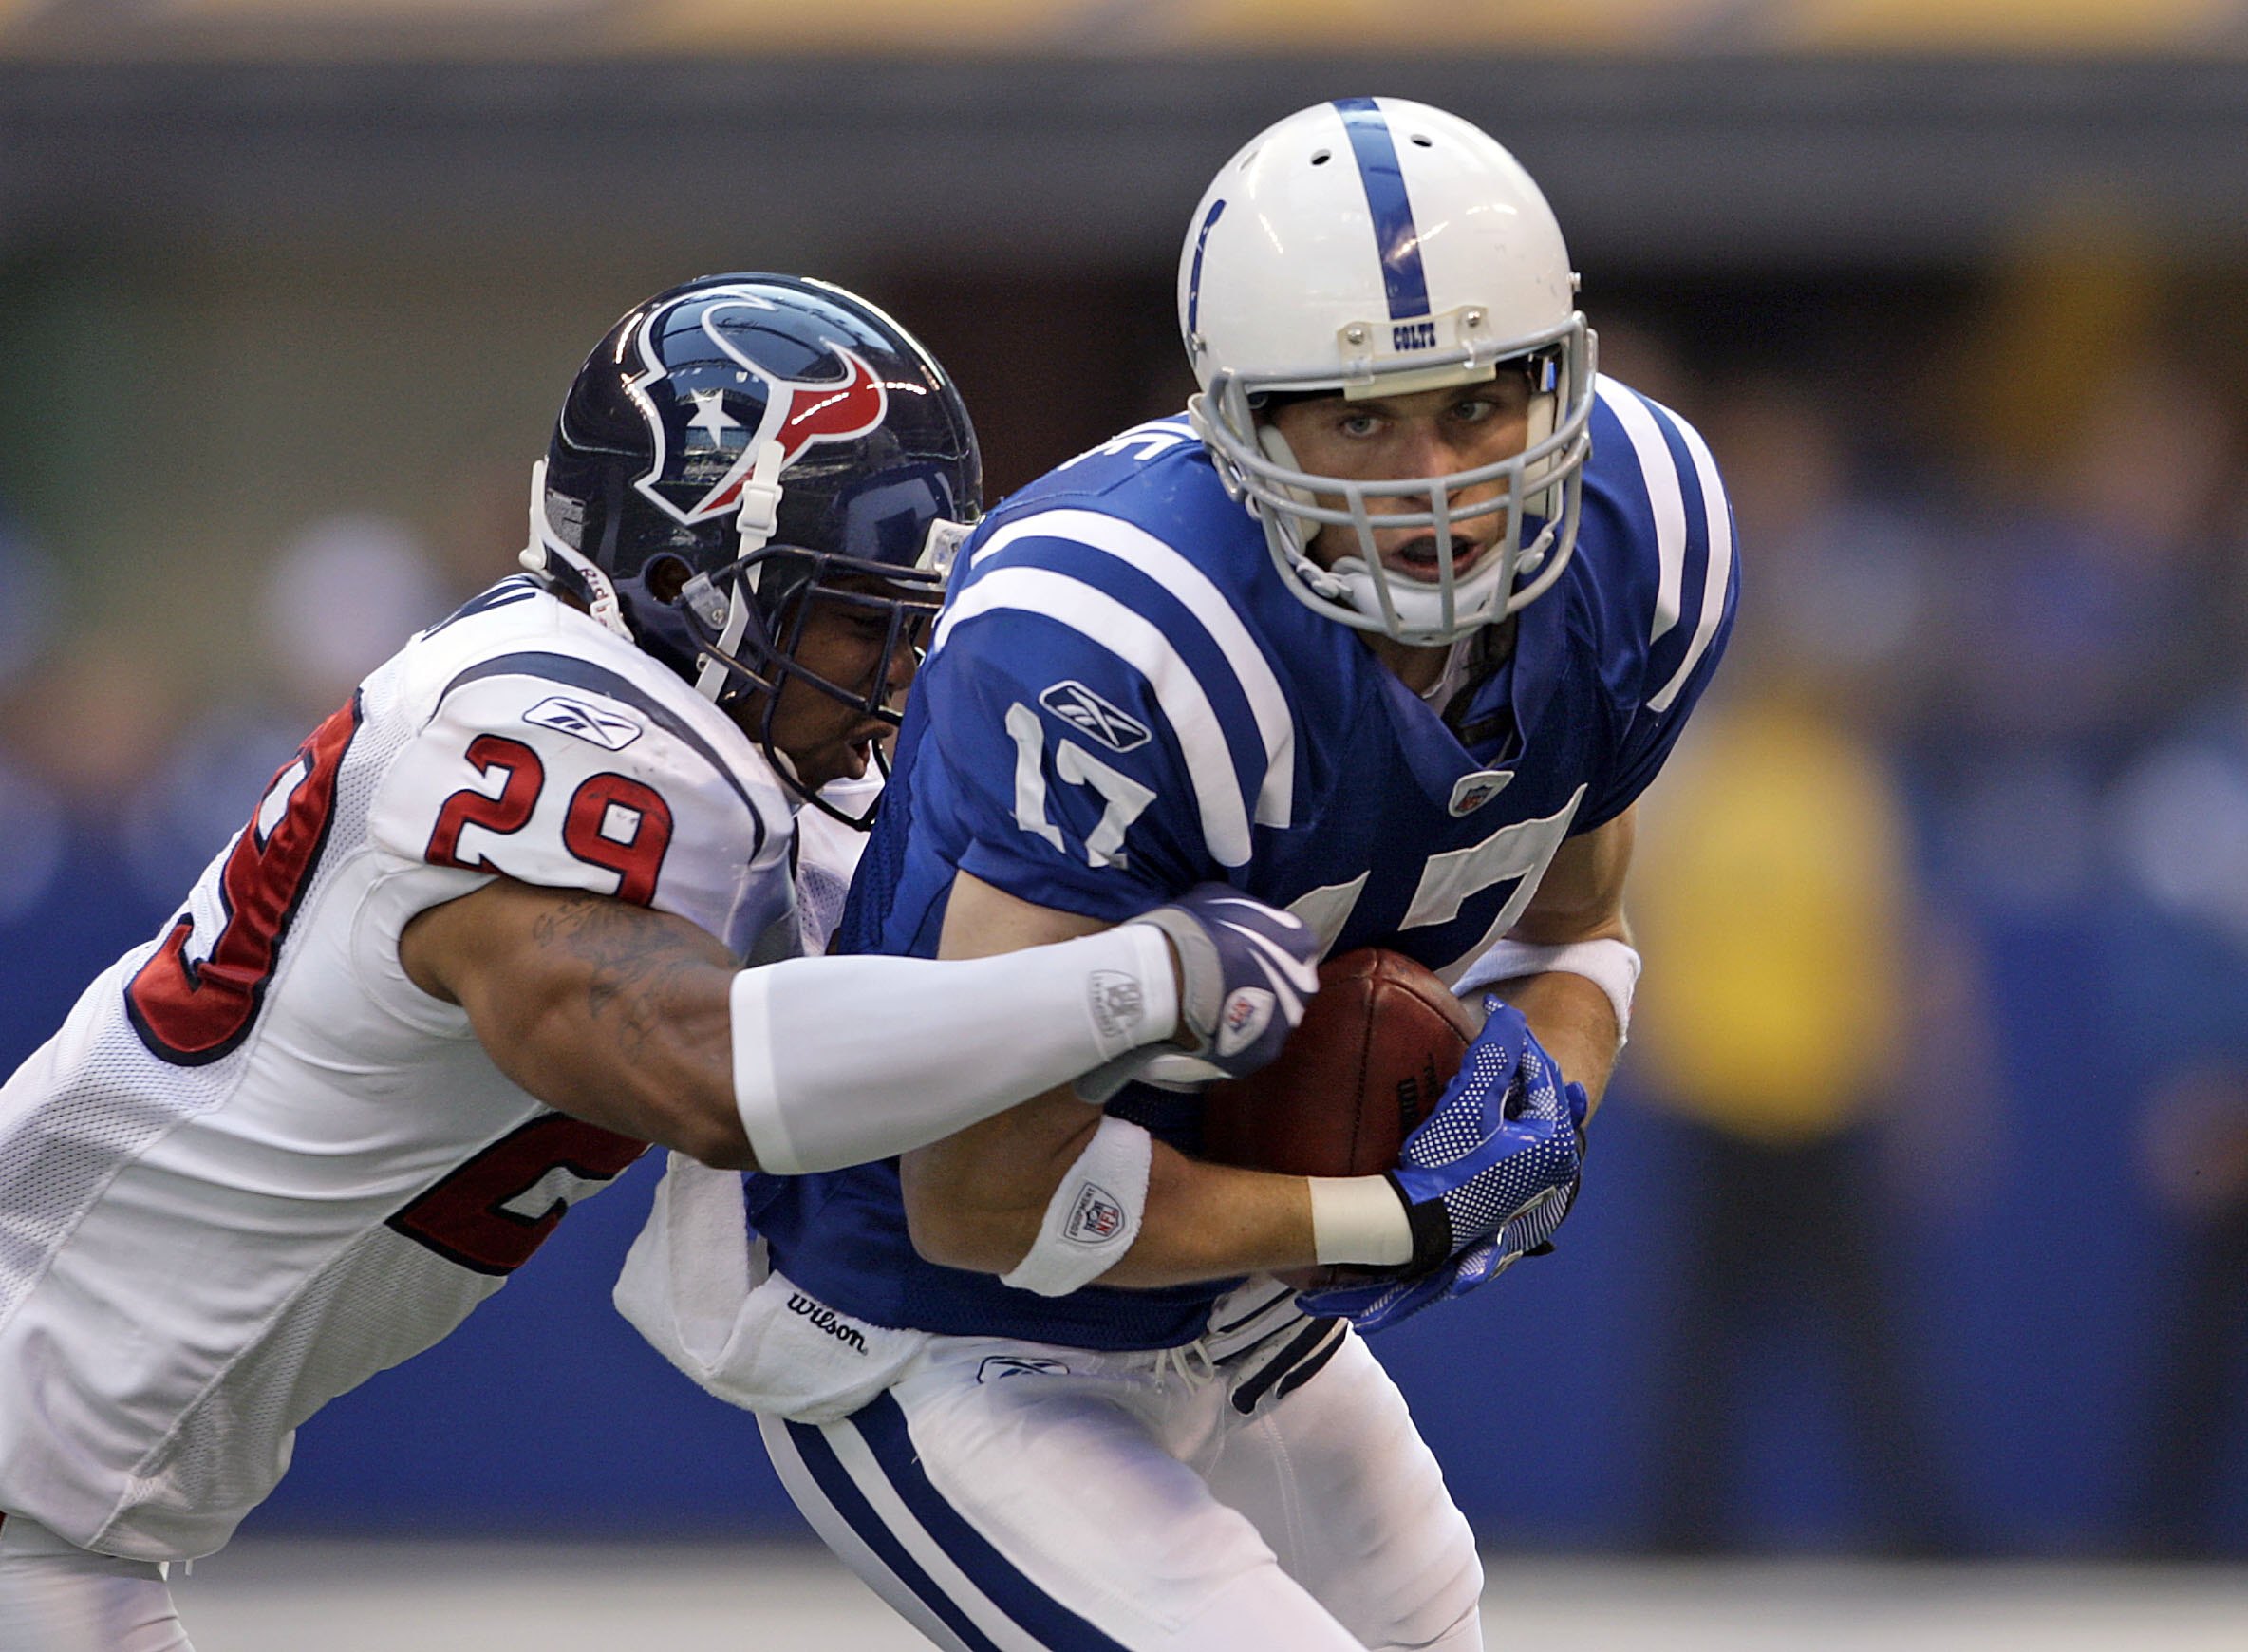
<point x="235" y="1440"/>
<point x="827" y="854"/>
<point x="243" y="1177"/>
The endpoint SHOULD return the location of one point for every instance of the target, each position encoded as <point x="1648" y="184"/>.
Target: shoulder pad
<point x="555" y="768"/>
<point x="1675" y="559"/>
<point x="1116" y="632"/>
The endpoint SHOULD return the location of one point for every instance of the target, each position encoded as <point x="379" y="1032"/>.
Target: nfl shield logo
<point x="1477" y="789"/>
<point x="1097" y="1218"/>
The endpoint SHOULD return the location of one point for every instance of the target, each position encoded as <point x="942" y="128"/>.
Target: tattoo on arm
<point x="632" y="959"/>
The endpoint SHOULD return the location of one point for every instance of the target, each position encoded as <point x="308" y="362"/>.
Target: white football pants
<point x="56" y="1597"/>
<point x="1011" y="1496"/>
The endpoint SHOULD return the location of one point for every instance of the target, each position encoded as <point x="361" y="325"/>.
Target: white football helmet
<point x="1376" y="247"/>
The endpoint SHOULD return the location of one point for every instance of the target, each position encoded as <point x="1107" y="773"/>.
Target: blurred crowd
<point x="1946" y="907"/>
<point x="124" y="769"/>
<point x="1943" y="1045"/>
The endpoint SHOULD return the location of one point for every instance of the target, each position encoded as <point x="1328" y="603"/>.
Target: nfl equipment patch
<point x="1099" y="1217"/>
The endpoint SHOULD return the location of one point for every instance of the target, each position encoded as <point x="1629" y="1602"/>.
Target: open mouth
<point x="1418" y="560"/>
<point x="863" y="742"/>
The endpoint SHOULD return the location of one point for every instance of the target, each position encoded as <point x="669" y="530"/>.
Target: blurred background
<point x="1917" y="1225"/>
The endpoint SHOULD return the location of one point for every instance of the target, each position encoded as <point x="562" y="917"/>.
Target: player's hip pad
<point x="753" y="1338"/>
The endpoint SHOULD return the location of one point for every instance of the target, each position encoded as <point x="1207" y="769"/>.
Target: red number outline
<point x="637" y="864"/>
<point x="464" y="1218"/>
<point x="191" y="1013"/>
<point x="509" y="812"/>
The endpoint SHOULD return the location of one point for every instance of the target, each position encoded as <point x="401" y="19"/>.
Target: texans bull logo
<point x="725" y="426"/>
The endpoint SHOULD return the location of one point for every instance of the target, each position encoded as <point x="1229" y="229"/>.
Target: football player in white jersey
<point x="1391" y="627"/>
<point x="483" y="939"/>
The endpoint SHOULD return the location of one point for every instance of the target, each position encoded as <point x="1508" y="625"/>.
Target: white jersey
<point x="257" y="1165"/>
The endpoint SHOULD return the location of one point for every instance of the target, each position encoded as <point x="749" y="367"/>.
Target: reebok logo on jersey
<point x="604" y="730"/>
<point x="1097" y="1218"/>
<point x="1248" y="1013"/>
<point x="1086" y="711"/>
<point x="1117" y="1003"/>
<point x="998" y="1367"/>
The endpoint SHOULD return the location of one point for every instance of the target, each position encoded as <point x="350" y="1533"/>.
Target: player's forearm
<point x="1207" y="1221"/>
<point x="624" y="1023"/>
<point x="978" y="1201"/>
<point x="1009" y="1198"/>
<point x="840" y="1060"/>
<point x="788" y="1069"/>
<point x="640" y="1023"/>
<point x="1573" y="1018"/>
<point x="1578" y="995"/>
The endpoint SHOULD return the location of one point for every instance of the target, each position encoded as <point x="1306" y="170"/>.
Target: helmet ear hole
<point x="666" y="576"/>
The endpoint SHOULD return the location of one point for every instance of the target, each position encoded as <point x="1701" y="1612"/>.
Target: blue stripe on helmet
<point x="1396" y="237"/>
<point x="1194" y="277"/>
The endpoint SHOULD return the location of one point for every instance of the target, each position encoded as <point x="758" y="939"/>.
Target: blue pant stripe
<point x="1396" y="235"/>
<point x="835" y="1482"/>
<point x="882" y="1425"/>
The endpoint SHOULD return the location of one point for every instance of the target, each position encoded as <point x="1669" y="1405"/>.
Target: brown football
<point x="1376" y="1047"/>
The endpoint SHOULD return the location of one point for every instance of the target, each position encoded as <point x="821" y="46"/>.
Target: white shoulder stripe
<point x="1134" y="545"/>
<point x="1100" y="619"/>
<point x="1660" y="473"/>
<point x="1719" y="574"/>
<point x="1151" y="438"/>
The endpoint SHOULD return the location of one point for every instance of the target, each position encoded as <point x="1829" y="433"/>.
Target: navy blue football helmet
<point x="732" y="449"/>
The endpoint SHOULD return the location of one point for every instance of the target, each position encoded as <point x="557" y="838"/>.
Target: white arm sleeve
<point x="841" y="1060"/>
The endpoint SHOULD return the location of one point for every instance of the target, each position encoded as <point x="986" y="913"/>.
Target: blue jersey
<point x="1125" y="698"/>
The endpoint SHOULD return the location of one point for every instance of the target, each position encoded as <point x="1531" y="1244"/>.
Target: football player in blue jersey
<point x="1390" y="628"/>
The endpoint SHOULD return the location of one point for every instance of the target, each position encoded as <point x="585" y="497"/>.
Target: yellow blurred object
<point x="2004" y="25"/>
<point x="897" y="26"/>
<point x="368" y="11"/>
<point x="2079" y="299"/>
<point x="1766" y="898"/>
<point x="1446" y="25"/>
<point x="1145" y="28"/>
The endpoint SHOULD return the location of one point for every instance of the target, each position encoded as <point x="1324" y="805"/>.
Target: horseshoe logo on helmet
<point x="796" y="413"/>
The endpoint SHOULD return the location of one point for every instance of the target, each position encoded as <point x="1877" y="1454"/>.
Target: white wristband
<point x="1611" y="966"/>
<point x="1094" y="1216"/>
<point x="1360" y="1219"/>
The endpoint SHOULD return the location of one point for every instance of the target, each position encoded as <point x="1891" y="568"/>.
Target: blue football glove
<point x="1246" y="972"/>
<point x="1486" y="1178"/>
